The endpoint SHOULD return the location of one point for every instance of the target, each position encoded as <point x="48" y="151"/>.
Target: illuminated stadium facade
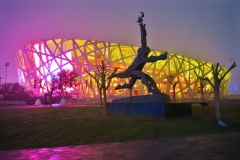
<point x="40" y="60"/>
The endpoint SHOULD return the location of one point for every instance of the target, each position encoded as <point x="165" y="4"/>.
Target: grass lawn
<point x="50" y="127"/>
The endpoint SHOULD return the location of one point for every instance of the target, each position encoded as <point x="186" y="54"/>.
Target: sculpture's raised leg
<point x="153" y="84"/>
<point x="119" y="75"/>
<point x="145" y="79"/>
<point x="127" y="85"/>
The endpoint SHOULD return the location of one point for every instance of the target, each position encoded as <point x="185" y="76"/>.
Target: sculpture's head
<point x="143" y="51"/>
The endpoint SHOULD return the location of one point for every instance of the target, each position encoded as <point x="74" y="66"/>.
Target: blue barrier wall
<point x="149" y="109"/>
<point x="160" y="110"/>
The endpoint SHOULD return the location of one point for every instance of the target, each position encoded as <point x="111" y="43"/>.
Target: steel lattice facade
<point x="43" y="58"/>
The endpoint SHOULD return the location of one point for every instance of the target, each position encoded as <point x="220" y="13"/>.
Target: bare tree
<point x="50" y="87"/>
<point x="173" y="83"/>
<point x="216" y="69"/>
<point x="203" y="83"/>
<point x="97" y="77"/>
<point x="100" y="77"/>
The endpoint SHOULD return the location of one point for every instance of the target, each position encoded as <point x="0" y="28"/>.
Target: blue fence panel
<point x="149" y="109"/>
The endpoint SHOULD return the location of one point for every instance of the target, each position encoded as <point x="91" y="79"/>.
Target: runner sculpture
<point x="134" y="71"/>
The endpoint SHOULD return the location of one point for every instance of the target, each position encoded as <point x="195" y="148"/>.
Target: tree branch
<point x="205" y="79"/>
<point x="93" y="77"/>
<point x="232" y="66"/>
<point x="201" y="78"/>
<point x="115" y="70"/>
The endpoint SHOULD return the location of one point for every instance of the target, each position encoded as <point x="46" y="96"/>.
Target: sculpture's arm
<point x="143" y="35"/>
<point x="140" y="60"/>
<point x="155" y="58"/>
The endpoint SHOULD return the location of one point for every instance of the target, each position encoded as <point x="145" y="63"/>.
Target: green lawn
<point x="51" y="127"/>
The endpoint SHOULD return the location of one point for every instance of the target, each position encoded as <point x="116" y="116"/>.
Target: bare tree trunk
<point x="203" y="99"/>
<point x="105" y="102"/>
<point x="217" y="101"/>
<point x="100" y="94"/>
<point x="174" y="98"/>
<point x="50" y="100"/>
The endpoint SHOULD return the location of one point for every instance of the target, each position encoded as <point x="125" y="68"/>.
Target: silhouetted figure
<point x="135" y="69"/>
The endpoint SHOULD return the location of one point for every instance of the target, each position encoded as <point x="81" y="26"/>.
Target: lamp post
<point x="6" y="64"/>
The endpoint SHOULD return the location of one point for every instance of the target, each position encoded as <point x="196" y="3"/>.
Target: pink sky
<point x="203" y="29"/>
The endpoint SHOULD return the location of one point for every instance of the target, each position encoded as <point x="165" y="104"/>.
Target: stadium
<point x="42" y="59"/>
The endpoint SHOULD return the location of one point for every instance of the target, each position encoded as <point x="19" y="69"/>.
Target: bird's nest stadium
<point x="41" y="59"/>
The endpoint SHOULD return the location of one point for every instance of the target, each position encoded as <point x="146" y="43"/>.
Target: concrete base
<point x="38" y="102"/>
<point x="150" y="105"/>
<point x="154" y="98"/>
<point x="147" y="109"/>
<point x="62" y="101"/>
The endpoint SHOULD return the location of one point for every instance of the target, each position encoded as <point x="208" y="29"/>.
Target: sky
<point x="208" y="30"/>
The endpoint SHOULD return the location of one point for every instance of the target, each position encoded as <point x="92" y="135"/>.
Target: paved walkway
<point x="202" y="147"/>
